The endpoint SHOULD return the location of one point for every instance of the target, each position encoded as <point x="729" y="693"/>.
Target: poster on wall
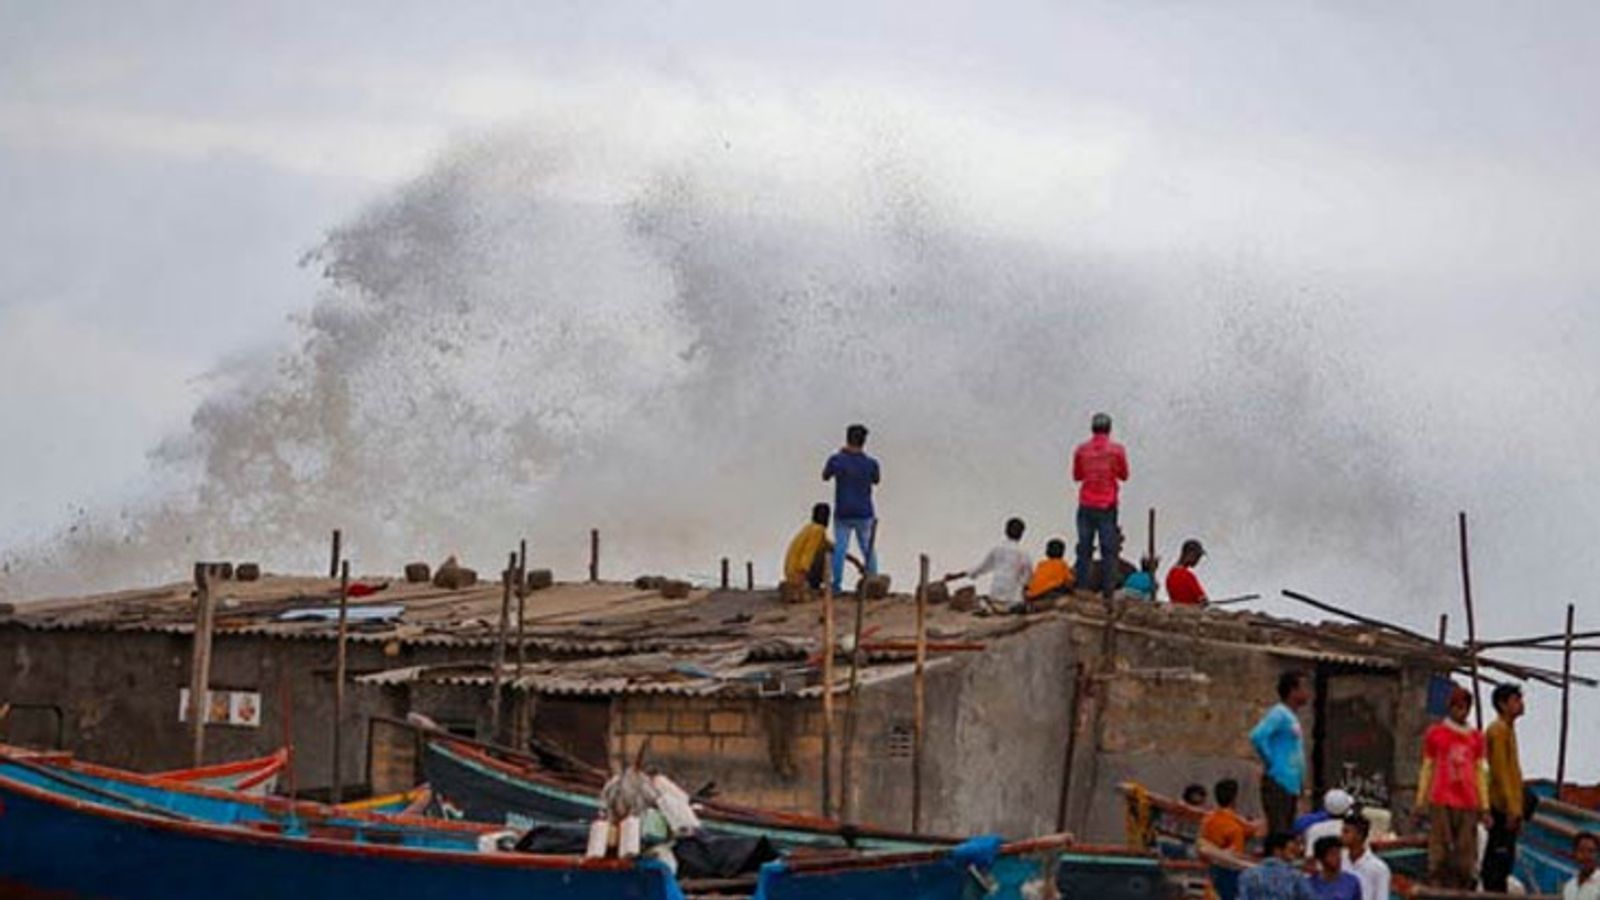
<point x="238" y="708"/>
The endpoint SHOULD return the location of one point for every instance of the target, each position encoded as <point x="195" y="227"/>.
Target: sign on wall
<point x="238" y="708"/>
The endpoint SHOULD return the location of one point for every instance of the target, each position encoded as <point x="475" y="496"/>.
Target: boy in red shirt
<point x="1454" y="788"/>
<point x="1182" y="586"/>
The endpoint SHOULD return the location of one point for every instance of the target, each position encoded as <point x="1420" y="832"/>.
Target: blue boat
<point x="1544" y="850"/>
<point x="64" y="836"/>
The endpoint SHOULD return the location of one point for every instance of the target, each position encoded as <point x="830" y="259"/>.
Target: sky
<point x="1331" y="265"/>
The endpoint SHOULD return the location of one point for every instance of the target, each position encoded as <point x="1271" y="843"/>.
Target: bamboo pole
<point x="338" y="681"/>
<point x="827" y="699"/>
<point x="594" y="554"/>
<point x="1080" y="684"/>
<point x="852" y="714"/>
<point x="1472" y="623"/>
<point x="749" y="575"/>
<point x="200" y="662"/>
<point x="500" y="646"/>
<point x="1532" y="643"/>
<point x="334" y="557"/>
<point x="1566" y="701"/>
<point x="1150" y="552"/>
<point x="1444" y="629"/>
<point x="920" y="697"/>
<point x="519" y="726"/>
<point x="725" y="573"/>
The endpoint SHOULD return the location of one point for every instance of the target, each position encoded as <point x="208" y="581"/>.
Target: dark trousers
<point x="1278" y="805"/>
<point x="1499" y="854"/>
<point x="1101" y="524"/>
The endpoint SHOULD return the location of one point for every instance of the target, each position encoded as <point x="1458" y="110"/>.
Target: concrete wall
<point x="118" y="693"/>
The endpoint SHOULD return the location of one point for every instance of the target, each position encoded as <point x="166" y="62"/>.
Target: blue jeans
<point x="1102" y="524"/>
<point x="842" y="529"/>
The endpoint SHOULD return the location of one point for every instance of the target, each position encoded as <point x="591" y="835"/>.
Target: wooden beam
<point x="1566" y="703"/>
<point x="827" y="698"/>
<point x="852" y="713"/>
<point x="749" y="575"/>
<point x="501" y="635"/>
<point x="725" y="581"/>
<point x="594" y="554"/>
<point x="339" y="663"/>
<point x="1472" y="623"/>
<point x="200" y="662"/>
<point x="334" y="557"/>
<point x="920" y="695"/>
<point x="517" y="731"/>
<point x="1533" y="643"/>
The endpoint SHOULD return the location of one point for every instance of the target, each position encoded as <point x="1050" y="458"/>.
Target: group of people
<point x="1016" y="582"/>
<point x="1468" y="778"/>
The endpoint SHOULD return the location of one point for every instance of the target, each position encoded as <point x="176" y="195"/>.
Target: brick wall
<point x="764" y="752"/>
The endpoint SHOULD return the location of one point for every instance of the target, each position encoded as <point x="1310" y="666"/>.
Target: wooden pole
<point x="333" y="560"/>
<point x="1472" y="623"/>
<point x="1444" y="629"/>
<point x="518" y="728"/>
<point x="338" y="681"/>
<point x="1150" y="553"/>
<point x="200" y="662"/>
<point x="500" y="646"/>
<point x="827" y="699"/>
<point x="1566" y="701"/>
<point x="852" y="714"/>
<point x="920" y="688"/>
<point x="749" y="575"/>
<point x="724" y="573"/>
<point x="1080" y="684"/>
<point x="594" y="554"/>
<point x="286" y="721"/>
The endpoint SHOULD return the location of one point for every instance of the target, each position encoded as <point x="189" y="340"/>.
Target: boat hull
<point x="59" y="843"/>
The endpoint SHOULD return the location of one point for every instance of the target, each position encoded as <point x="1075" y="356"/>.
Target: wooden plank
<point x="200" y="662"/>
<point x="920" y="688"/>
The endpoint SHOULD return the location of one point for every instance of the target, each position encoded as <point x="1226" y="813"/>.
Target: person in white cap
<point x="1336" y="804"/>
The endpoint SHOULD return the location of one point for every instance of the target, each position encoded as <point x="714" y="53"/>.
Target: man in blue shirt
<point x="1280" y="744"/>
<point x="853" y="473"/>
<point x="1331" y="882"/>
<point x="1279" y="876"/>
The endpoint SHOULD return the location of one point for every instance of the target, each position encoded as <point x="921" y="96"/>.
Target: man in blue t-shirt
<point x="1280" y="744"/>
<point x="853" y="473"/>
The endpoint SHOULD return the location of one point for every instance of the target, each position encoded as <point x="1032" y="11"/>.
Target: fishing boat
<point x="62" y="835"/>
<point x="258" y="776"/>
<point x="1544" y="848"/>
<point x="477" y="785"/>
<point x="1171" y="828"/>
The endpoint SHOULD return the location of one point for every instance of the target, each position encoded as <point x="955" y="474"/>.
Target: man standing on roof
<point x="1099" y="466"/>
<point x="1279" y="742"/>
<point x="1505" y="788"/>
<point x="854" y="474"/>
<point x="1183" y="588"/>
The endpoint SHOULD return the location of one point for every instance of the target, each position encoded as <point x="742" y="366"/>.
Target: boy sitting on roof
<point x="1008" y="566"/>
<point x="1053" y="577"/>
<point x="807" y="560"/>
<point x="1141" y="585"/>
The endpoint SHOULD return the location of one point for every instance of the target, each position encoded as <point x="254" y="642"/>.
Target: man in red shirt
<point x="1099" y="465"/>
<point x="1182" y="585"/>
<point x="1454" y="788"/>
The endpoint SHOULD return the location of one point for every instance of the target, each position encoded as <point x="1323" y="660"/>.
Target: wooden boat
<point x="481" y="786"/>
<point x="257" y="776"/>
<point x="53" y="809"/>
<point x="63" y="835"/>
<point x="1544" y="848"/>
<point x="1171" y="827"/>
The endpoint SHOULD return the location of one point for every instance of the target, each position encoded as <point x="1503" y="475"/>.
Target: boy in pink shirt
<point x="1454" y="789"/>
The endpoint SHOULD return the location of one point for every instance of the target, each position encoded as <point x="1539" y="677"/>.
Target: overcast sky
<point x="165" y="166"/>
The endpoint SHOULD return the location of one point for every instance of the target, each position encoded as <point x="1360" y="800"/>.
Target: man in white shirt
<point x="1360" y="861"/>
<point x="1586" y="853"/>
<point x="1009" y="567"/>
